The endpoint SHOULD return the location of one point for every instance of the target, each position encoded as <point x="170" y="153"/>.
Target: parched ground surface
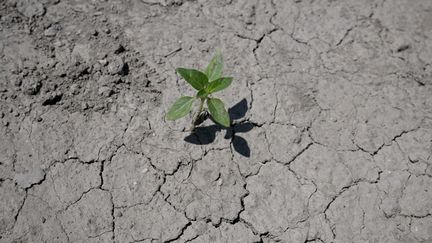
<point x="331" y="104"/>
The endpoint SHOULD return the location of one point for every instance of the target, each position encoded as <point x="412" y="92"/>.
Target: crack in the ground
<point x="344" y="189"/>
<point x="259" y="43"/>
<point x="79" y="199"/>
<point x="63" y="229"/>
<point x="99" y="235"/>
<point x="276" y="105"/>
<point x="345" y="35"/>
<point x="385" y="144"/>
<point x="182" y="231"/>
<point x="113" y="225"/>
<point x="19" y="209"/>
<point x="415" y="216"/>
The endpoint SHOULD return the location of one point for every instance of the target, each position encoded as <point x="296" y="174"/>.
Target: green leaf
<point x="196" y="78"/>
<point x="180" y="108"/>
<point x="202" y="93"/>
<point x="218" y="112"/>
<point x="214" y="69"/>
<point x="219" y="84"/>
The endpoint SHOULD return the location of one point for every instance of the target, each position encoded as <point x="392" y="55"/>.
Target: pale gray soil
<point x="332" y="133"/>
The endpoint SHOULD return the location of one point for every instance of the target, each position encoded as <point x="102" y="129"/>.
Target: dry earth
<point x="332" y="110"/>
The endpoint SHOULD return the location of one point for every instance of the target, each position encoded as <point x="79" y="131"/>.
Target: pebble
<point x="298" y="140"/>
<point x="17" y="82"/>
<point x="52" y="30"/>
<point x="30" y="8"/>
<point x="117" y="66"/>
<point x="220" y="182"/>
<point x="105" y="91"/>
<point x="99" y="107"/>
<point x="84" y="106"/>
<point x="97" y="67"/>
<point x="74" y="89"/>
<point x="31" y="86"/>
<point x="103" y="62"/>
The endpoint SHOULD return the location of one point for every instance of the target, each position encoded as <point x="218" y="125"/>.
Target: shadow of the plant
<point x="206" y="135"/>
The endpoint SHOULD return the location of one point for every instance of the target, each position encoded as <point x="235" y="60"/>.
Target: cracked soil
<point x="332" y="121"/>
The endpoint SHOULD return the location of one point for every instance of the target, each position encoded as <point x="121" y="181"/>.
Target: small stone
<point x="5" y="123"/>
<point x="2" y="114"/>
<point x="52" y="30"/>
<point x="298" y="140"/>
<point x="39" y="119"/>
<point x="107" y="31"/>
<point x="84" y="106"/>
<point x="107" y="80"/>
<point x="99" y="107"/>
<point x="82" y="53"/>
<point x="17" y="82"/>
<point x="74" y="89"/>
<point x="31" y="86"/>
<point x="105" y="91"/>
<point x="220" y="182"/>
<point x="59" y="43"/>
<point x="97" y="67"/>
<point x="103" y="62"/>
<point x="83" y="70"/>
<point x="30" y="8"/>
<point x="117" y="66"/>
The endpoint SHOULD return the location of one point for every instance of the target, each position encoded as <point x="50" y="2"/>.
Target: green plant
<point x="206" y="83"/>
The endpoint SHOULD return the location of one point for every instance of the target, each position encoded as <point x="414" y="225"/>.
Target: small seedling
<point x="206" y="83"/>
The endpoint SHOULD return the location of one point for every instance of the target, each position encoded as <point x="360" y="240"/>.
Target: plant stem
<point x="201" y="108"/>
